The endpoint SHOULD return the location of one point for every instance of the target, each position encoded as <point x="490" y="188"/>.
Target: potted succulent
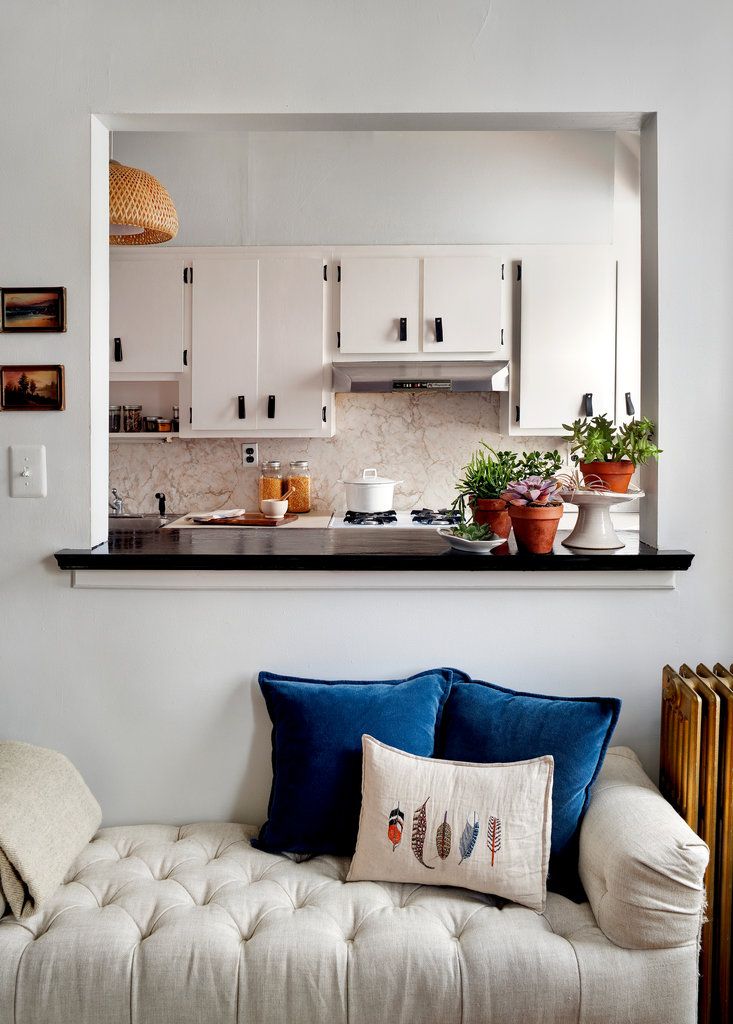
<point x="611" y="453"/>
<point x="487" y="476"/>
<point x="535" y="511"/>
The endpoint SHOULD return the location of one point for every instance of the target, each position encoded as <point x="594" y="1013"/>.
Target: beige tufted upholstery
<point x="166" y="925"/>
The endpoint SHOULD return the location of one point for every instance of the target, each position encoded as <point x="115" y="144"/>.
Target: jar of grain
<point x="299" y="481"/>
<point x="271" y="481"/>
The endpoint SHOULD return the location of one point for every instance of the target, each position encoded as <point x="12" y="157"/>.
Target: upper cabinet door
<point x="146" y="314"/>
<point x="291" y="344"/>
<point x="224" y="342"/>
<point x="462" y="310"/>
<point x="380" y="305"/>
<point x="568" y="316"/>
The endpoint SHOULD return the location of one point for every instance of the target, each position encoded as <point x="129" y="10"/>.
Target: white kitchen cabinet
<point x="224" y="335"/>
<point x="462" y="304"/>
<point x="291" y="339"/>
<point x="567" y="346"/>
<point x="380" y="305"/>
<point x="146" y="315"/>
<point x="257" y="339"/>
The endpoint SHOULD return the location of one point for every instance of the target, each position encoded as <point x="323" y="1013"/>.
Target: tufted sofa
<point x="160" y="924"/>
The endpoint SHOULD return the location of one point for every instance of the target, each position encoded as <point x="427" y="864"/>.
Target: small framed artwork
<point x="31" y="388"/>
<point x="30" y="310"/>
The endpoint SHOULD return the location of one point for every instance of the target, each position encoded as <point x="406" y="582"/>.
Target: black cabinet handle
<point x="185" y="357"/>
<point x="271" y="407"/>
<point x="118" y="350"/>
<point x="242" y="413"/>
<point x="630" y="410"/>
<point x="439" y="328"/>
<point x="403" y="328"/>
<point x="588" y="403"/>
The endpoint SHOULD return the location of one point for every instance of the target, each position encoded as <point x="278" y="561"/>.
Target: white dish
<point x="474" y="547"/>
<point x="274" y="508"/>
<point x="594" y="529"/>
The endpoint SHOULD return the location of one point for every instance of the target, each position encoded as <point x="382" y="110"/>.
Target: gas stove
<point x="419" y="518"/>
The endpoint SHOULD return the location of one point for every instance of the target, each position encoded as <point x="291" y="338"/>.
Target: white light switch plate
<point x="28" y="471"/>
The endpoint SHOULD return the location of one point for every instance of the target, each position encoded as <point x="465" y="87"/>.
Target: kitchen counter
<point x="342" y="551"/>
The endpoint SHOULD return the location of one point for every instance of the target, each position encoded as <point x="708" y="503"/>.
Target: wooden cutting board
<point x="251" y="519"/>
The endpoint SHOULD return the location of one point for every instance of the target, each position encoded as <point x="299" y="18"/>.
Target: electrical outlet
<point x="250" y="456"/>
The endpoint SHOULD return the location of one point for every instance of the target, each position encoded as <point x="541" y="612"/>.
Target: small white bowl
<point x="273" y="508"/>
<point x="476" y="547"/>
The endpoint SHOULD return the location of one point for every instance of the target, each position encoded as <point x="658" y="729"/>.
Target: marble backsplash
<point x="422" y="440"/>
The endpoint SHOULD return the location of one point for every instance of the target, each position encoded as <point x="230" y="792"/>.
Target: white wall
<point x="371" y="188"/>
<point x="153" y="695"/>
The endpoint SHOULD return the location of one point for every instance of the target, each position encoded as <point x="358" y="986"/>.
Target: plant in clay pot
<point x="611" y="453"/>
<point x="487" y="476"/>
<point x="535" y="511"/>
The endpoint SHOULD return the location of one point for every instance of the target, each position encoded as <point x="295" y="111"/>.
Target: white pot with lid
<point x="370" y="493"/>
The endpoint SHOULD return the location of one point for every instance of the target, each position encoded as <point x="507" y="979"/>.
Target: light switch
<point x="28" y="471"/>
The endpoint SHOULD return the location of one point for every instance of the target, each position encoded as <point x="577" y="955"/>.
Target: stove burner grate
<point x="439" y="517"/>
<point x="371" y="518"/>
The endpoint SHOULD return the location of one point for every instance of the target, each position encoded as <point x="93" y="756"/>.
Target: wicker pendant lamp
<point x="140" y="210"/>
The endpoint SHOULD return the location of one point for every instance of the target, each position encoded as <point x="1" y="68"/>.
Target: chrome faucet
<point x="118" y="505"/>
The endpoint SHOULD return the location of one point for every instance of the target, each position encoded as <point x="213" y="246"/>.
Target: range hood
<point x="422" y="376"/>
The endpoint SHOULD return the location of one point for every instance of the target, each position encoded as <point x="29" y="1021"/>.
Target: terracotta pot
<point x="615" y="475"/>
<point x="492" y="512"/>
<point x="535" y="526"/>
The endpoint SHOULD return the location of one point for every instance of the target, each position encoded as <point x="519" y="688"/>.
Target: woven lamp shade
<point x="137" y="200"/>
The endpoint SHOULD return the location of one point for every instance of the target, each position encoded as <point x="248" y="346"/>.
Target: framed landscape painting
<point x="33" y="309"/>
<point x="31" y="388"/>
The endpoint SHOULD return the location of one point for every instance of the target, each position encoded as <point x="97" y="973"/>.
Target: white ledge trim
<point x="187" y="579"/>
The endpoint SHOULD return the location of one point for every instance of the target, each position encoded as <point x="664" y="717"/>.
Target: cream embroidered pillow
<point x="479" y="826"/>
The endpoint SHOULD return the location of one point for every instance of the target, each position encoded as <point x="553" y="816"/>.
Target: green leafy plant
<point x="489" y="473"/>
<point x="473" y="531"/>
<point x="544" y="464"/>
<point x="486" y="475"/>
<point x="597" y="440"/>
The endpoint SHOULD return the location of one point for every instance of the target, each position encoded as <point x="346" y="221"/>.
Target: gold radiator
<point x="696" y="776"/>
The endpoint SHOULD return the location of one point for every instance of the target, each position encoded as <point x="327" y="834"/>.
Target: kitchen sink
<point x="140" y="522"/>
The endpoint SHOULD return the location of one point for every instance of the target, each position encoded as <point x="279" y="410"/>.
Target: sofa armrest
<point x="641" y="865"/>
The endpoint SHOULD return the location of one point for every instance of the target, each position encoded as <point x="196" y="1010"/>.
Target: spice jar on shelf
<point x="115" y="419"/>
<point x="132" y="419"/>
<point x="271" y="481"/>
<point x="299" y="481"/>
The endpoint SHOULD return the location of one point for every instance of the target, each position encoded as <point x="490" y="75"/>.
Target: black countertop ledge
<point x="354" y="550"/>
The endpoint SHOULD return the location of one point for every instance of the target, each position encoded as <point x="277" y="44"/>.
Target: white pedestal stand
<point x="594" y="530"/>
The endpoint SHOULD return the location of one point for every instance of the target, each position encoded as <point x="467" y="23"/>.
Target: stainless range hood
<point x="421" y="376"/>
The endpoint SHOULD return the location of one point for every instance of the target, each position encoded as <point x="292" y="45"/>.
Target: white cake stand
<point x="594" y="530"/>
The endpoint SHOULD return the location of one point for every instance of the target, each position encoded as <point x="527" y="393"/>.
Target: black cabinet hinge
<point x="188" y="275"/>
<point x="325" y="272"/>
<point x="185" y="357"/>
<point x="190" y="414"/>
<point x="323" y="414"/>
<point x="502" y="335"/>
<point x="516" y="418"/>
<point x="502" y="271"/>
<point x="519" y="272"/>
<point x="338" y="339"/>
<point x="338" y="273"/>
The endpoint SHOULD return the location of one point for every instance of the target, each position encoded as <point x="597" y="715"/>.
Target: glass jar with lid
<point x="271" y="480"/>
<point x="115" y="419"/>
<point x="132" y="419"/>
<point x="299" y="481"/>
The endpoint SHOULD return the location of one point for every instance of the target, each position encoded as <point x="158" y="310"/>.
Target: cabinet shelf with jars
<point x="141" y="411"/>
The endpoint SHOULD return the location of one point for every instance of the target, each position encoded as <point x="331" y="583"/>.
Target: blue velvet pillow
<point x="317" y="726"/>
<point x="486" y="722"/>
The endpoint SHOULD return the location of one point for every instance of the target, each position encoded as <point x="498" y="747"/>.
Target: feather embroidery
<point x="419" y="830"/>
<point x="494" y="837"/>
<point x="468" y="839"/>
<point x="395" y="826"/>
<point x="443" y="837"/>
